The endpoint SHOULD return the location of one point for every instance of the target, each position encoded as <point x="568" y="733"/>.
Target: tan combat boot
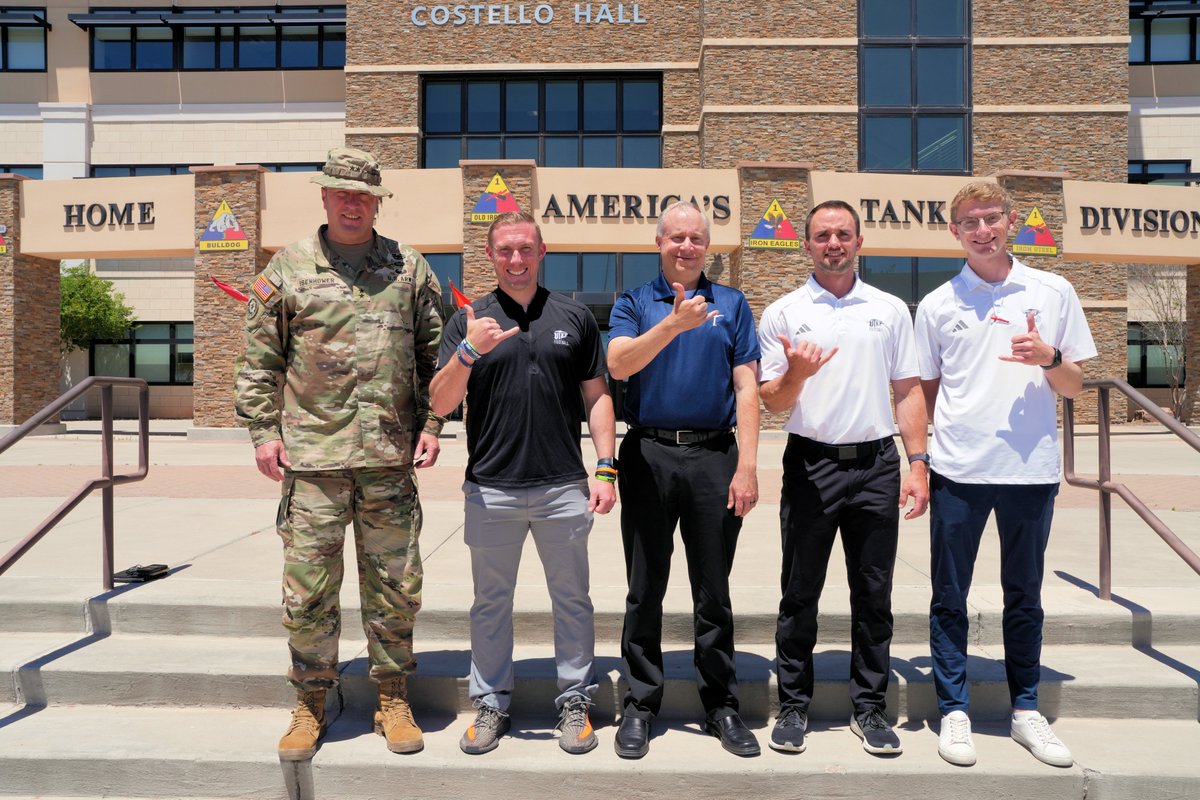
<point x="394" y="720"/>
<point x="308" y="725"/>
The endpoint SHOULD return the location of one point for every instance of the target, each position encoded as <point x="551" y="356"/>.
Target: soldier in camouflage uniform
<point x="342" y="335"/>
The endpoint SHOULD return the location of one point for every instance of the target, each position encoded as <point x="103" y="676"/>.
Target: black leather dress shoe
<point x="734" y="735"/>
<point x="633" y="737"/>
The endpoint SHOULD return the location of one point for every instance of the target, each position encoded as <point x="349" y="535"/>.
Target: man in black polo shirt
<point x="530" y="364"/>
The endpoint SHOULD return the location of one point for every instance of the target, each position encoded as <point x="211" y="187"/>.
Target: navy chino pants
<point x="958" y="514"/>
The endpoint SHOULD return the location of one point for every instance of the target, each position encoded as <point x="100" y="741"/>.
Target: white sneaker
<point x="1033" y="731"/>
<point x="954" y="741"/>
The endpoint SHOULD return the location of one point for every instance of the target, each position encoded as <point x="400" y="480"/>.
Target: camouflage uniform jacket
<point x="352" y="352"/>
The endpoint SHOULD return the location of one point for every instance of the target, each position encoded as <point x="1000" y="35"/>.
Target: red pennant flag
<point x="229" y="290"/>
<point x="460" y="299"/>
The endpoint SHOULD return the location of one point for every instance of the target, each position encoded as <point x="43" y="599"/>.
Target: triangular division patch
<point x="774" y="231"/>
<point x="1035" y="237"/>
<point x="3" y="244"/>
<point x="223" y="232"/>
<point x="495" y="200"/>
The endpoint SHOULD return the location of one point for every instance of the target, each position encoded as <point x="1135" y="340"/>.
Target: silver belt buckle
<point x="847" y="452"/>
<point x="677" y="434"/>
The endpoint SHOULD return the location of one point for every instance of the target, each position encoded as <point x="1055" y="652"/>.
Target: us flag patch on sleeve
<point x="263" y="288"/>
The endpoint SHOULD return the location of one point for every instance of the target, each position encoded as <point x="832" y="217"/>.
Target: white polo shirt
<point x="996" y="421"/>
<point x="848" y="400"/>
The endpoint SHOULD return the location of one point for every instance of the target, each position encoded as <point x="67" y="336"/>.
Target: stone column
<point x="765" y="275"/>
<point x="29" y="317"/>
<point x="1101" y="287"/>
<point x="519" y="176"/>
<point x="1191" y="336"/>
<point x="220" y="319"/>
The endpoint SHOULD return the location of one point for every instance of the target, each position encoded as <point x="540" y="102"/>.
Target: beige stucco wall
<point x="1115" y="244"/>
<point x="223" y="142"/>
<point x="158" y="290"/>
<point x="20" y="141"/>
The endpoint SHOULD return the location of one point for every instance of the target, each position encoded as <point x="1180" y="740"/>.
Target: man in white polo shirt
<point x="831" y="351"/>
<point x="997" y="344"/>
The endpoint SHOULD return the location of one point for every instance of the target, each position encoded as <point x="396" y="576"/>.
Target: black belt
<point x="683" y="437"/>
<point x="840" y="452"/>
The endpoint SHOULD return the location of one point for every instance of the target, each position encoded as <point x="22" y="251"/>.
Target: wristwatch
<point x="1057" y="362"/>
<point x="919" y="457"/>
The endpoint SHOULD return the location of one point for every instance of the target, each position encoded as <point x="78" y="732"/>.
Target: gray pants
<point x="497" y="521"/>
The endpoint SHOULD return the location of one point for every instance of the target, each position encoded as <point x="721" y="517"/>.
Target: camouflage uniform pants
<point x="313" y="515"/>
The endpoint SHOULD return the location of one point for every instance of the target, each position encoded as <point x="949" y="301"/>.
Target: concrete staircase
<point x="174" y="689"/>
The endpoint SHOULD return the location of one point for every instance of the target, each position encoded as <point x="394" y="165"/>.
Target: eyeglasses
<point x="971" y="224"/>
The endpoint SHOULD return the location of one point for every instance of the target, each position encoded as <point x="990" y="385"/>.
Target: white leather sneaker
<point x="1032" y="730"/>
<point x="954" y="741"/>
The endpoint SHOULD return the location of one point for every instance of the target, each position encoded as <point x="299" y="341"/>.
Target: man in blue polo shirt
<point x="687" y="347"/>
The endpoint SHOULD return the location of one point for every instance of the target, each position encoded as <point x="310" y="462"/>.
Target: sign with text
<point x="458" y="15"/>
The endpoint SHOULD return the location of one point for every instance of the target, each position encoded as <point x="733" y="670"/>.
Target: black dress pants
<point x="663" y="485"/>
<point x="859" y="496"/>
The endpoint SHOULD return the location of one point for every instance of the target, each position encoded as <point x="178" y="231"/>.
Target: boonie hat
<point x="352" y="170"/>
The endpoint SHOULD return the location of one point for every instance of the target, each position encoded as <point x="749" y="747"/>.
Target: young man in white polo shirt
<point x="832" y="349"/>
<point x="997" y="344"/>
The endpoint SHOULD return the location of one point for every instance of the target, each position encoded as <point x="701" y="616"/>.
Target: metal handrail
<point x="1104" y="483"/>
<point x="107" y="481"/>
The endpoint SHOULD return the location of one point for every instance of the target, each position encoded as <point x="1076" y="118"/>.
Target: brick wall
<point x="1191" y="400"/>
<point x="29" y="319"/>
<point x="829" y="141"/>
<point x="1068" y="18"/>
<point x="732" y="19"/>
<point x="383" y="33"/>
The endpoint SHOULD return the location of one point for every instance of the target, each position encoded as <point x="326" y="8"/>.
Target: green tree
<point x="91" y="310"/>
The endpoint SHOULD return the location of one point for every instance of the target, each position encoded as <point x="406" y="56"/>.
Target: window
<point x="287" y="166"/>
<point x="447" y="267"/>
<point x="1164" y="32"/>
<point x="597" y="278"/>
<point x="910" y="279"/>
<point x="23" y="39"/>
<point x="158" y="352"/>
<point x="1151" y="363"/>
<point x="914" y="87"/>
<point x="139" y="170"/>
<point x="564" y="121"/>
<point x="1169" y="173"/>
<point x="265" y="37"/>
<point x="28" y="170"/>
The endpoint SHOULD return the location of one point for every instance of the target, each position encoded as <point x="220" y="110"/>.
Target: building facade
<point x="594" y="116"/>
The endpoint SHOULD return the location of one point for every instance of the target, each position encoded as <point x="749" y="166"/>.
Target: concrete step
<point x="132" y="670"/>
<point x="95" y="751"/>
<point x="178" y="605"/>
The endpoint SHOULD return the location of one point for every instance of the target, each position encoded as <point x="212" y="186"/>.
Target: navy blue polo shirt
<point x="524" y="403"/>
<point x="689" y="384"/>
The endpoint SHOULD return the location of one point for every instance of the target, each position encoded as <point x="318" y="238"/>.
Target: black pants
<point x="663" y="485"/>
<point x="820" y="496"/>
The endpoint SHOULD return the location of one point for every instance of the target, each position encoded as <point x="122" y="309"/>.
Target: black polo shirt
<point x="524" y="404"/>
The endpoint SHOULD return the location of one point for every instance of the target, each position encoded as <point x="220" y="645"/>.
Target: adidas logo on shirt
<point x="961" y="326"/>
<point x="803" y="329"/>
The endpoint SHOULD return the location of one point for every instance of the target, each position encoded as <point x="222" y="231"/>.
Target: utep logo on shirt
<point x="877" y="325"/>
<point x="560" y="337"/>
